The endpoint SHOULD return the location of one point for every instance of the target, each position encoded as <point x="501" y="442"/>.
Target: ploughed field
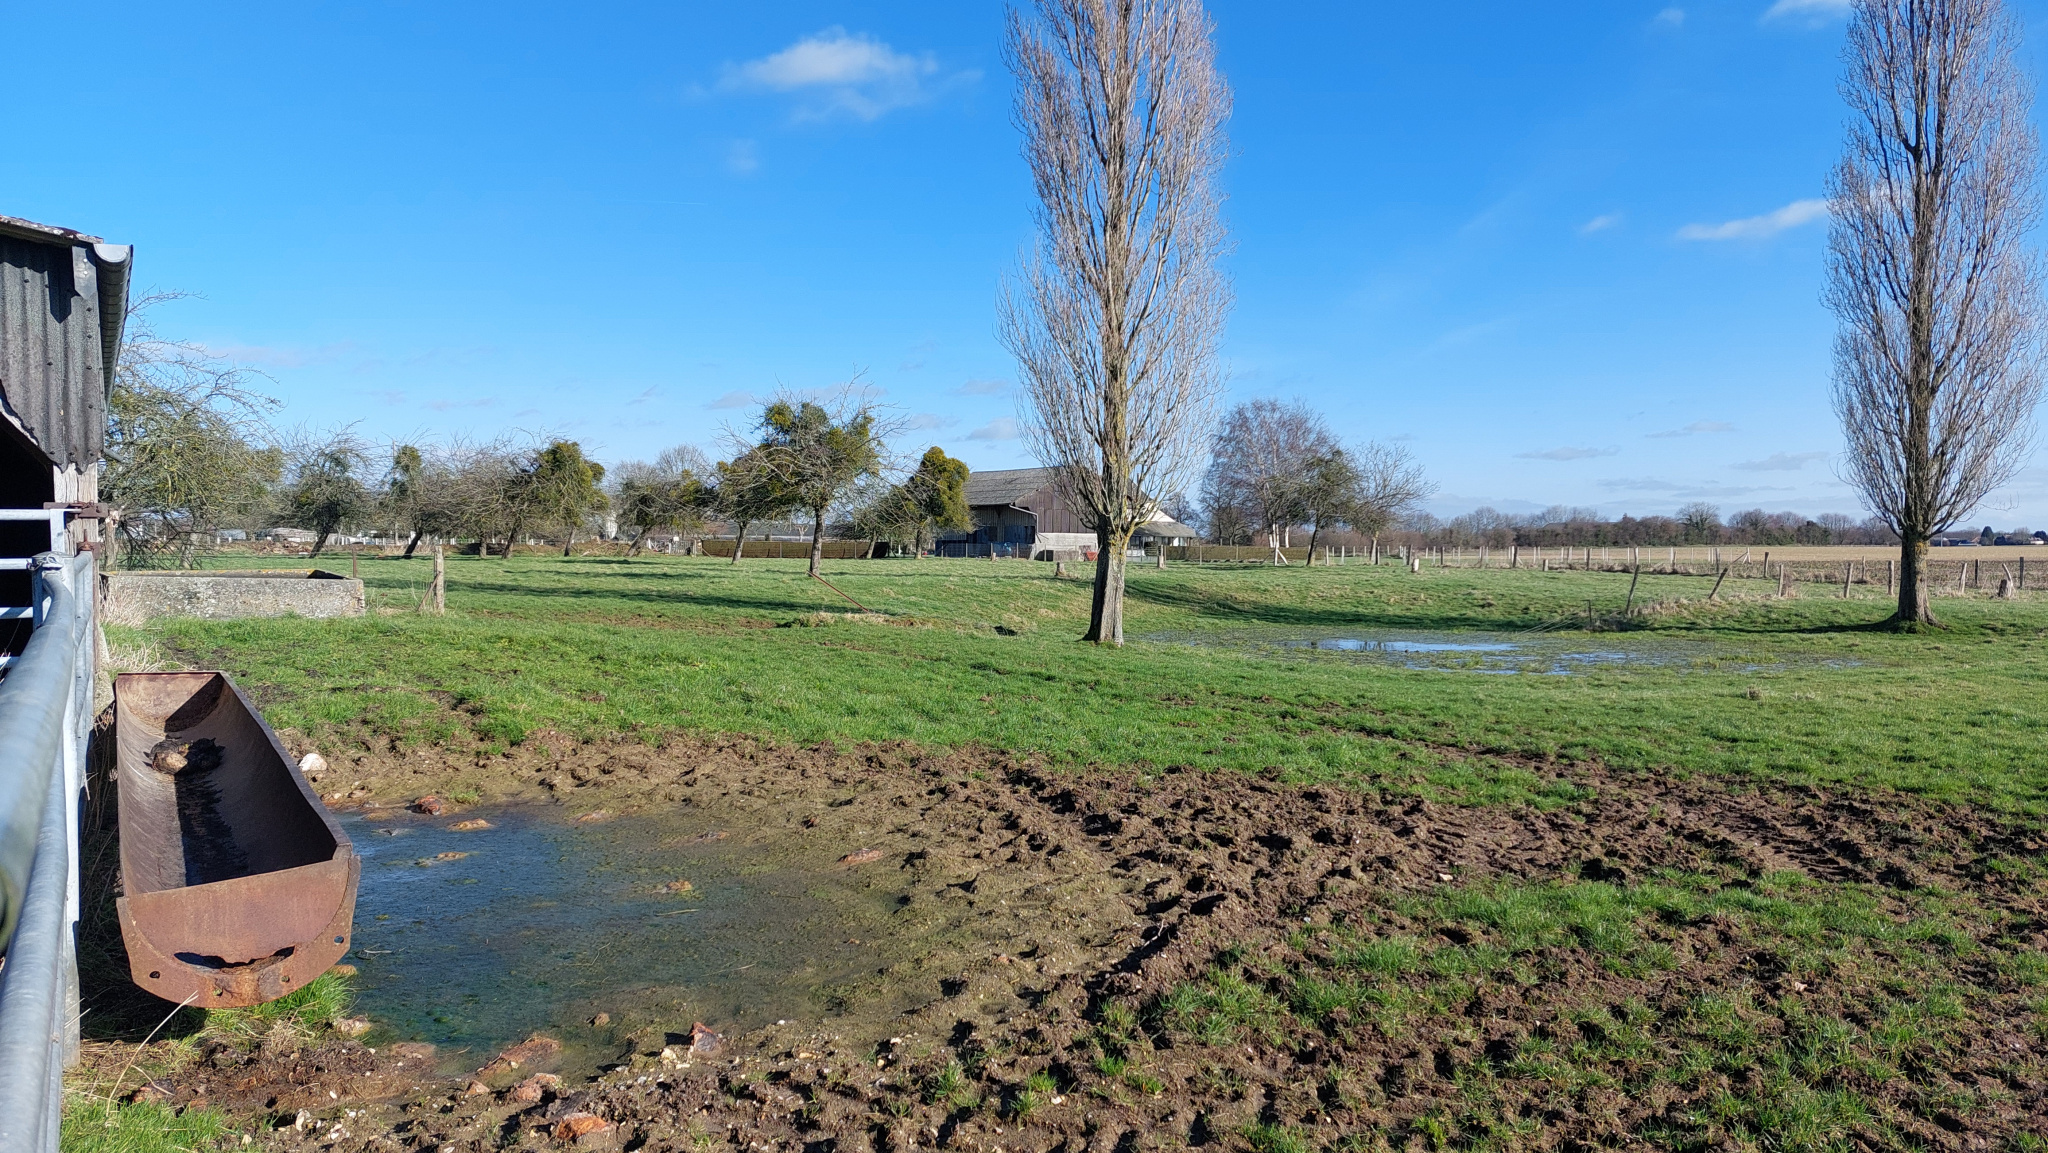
<point x="1325" y="858"/>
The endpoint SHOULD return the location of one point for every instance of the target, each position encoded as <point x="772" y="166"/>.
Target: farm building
<point x="63" y="304"/>
<point x="1019" y="512"/>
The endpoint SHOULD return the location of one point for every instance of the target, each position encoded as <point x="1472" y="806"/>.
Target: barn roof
<point x="1005" y="486"/>
<point x="63" y="304"/>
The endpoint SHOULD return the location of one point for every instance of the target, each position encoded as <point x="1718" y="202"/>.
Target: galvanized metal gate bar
<point x="45" y="719"/>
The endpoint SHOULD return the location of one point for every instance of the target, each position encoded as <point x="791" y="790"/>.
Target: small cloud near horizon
<point x="1793" y="215"/>
<point x="1695" y="428"/>
<point x="1001" y="428"/>
<point x="1782" y="462"/>
<point x="1813" y="10"/>
<point x="1600" y="223"/>
<point x="738" y="398"/>
<point x="1567" y="453"/>
<point x="840" y="73"/>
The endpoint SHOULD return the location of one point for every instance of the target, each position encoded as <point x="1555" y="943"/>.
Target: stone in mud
<point x="471" y="825"/>
<point x="411" y="1050"/>
<point x="581" y="1127"/>
<point x="430" y="805"/>
<point x="678" y="886"/>
<point x="861" y="857"/>
<point x="153" y="1093"/>
<point x="343" y="970"/>
<point x="703" y="1041"/>
<point x="476" y="1089"/>
<point x="528" y="1052"/>
<point x="441" y="858"/>
<point x="594" y="816"/>
<point x="352" y="1026"/>
<point x="530" y="1091"/>
<point x="312" y="764"/>
<point x="601" y="1020"/>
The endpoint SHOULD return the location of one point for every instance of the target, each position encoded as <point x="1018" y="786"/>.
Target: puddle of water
<point x="541" y="925"/>
<point x="1496" y="654"/>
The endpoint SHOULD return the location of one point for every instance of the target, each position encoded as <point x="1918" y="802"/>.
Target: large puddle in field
<point x="472" y="940"/>
<point x="1499" y="654"/>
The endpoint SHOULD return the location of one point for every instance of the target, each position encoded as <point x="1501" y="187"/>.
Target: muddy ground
<point x="1122" y="962"/>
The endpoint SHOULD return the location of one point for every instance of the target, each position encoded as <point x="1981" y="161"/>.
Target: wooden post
<point x="1848" y="575"/>
<point x="355" y="553"/>
<point x="1716" y="594"/>
<point x="1162" y="556"/>
<point x="2023" y="574"/>
<point x="1671" y="561"/>
<point x="1891" y="578"/>
<point x="440" y="589"/>
<point x="1514" y="556"/>
<point x="1629" y="609"/>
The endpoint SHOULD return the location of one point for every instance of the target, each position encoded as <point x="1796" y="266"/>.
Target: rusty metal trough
<point x="238" y="887"/>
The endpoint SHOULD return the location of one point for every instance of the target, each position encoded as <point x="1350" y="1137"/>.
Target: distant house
<point x="1019" y="512"/>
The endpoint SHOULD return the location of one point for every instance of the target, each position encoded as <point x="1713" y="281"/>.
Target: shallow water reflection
<point x="475" y="939"/>
<point x="1499" y="654"/>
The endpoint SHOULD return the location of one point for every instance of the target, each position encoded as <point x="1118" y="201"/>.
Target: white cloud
<point x="924" y="420"/>
<point x="1782" y="462"/>
<point x="983" y="388"/>
<point x="742" y="157"/>
<point x="1001" y="428"/>
<point x="840" y="73"/>
<point x="1770" y="224"/>
<point x="1600" y="224"/>
<point x="1567" y="453"/>
<point x="1698" y="426"/>
<point x="738" y="398"/>
<point x="1808" y="9"/>
<point x="1670" y="17"/>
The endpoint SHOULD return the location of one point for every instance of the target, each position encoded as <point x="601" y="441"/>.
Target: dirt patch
<point x="1127" y="961"/>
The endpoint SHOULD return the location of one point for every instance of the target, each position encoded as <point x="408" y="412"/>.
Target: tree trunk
<point x="1106" y="614"/>
<point x="319" y="542"/>
<point x="413" y="543"/>
<point x="510" y="537"/>
<point x="1913" y="610"/>
<point x="639" y="540"/>
<point x="1312" y="535"/>
<point x="817" y="538"/>
<point x="569" y="542"/>
<point x="739" y="540"/>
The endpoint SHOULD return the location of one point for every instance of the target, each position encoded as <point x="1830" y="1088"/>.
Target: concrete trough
<point x="137" y="597"/>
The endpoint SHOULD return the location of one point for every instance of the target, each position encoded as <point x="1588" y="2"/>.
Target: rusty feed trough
<point x="238" y="886"/>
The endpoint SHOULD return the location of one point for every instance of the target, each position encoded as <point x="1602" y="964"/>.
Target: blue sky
<point x="1568" y="253"/>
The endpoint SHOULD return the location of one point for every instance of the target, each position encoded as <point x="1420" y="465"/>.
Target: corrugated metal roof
<point x="63" y="303"/>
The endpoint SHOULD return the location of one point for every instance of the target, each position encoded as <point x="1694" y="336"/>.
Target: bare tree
<point x="1260" y="464"/>
<point x="1391" y="489"/>
<point x="189" y="448"/>
<point x="672" y="493"/>
<point x="323" y="489"/>
<point x="1936" y="355"/>
<point x="1115" y="314"/>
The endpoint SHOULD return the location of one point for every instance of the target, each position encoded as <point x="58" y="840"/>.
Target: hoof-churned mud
<point x="1115" y="961"/>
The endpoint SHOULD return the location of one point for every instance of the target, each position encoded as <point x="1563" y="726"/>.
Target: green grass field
<point x="1798" y="690"/>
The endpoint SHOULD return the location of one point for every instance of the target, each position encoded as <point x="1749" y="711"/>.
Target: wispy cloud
<point x="1782" y="462"/>
<point x="1815" y="10"/>
<point x="1694" y="429"/>
<point x="925" y="420"/>
<point x="1567" y="453"/>
<point x="982" y="388"/>
<point x="1683" y="490"/>
<point x="1600" y="223"/>
<point x="473" y="402"/>
<point x="1793" y="215"/>
<point x="279" y="355"/>
<point x="838" y="73"/>
<point x="738" y="398"/>
<point x="1670" y="18"/>
<point x="1001" y="428"/>
<point x="643" y="398"/>
<point x="742" y="158"/>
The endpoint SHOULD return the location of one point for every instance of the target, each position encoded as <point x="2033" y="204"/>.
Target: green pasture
<point x="1804" y="689"/>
